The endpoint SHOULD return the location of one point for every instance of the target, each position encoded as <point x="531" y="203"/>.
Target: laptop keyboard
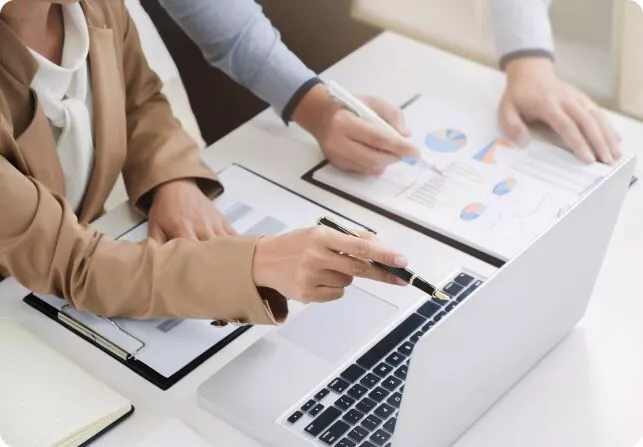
<point x="359" y="407"/>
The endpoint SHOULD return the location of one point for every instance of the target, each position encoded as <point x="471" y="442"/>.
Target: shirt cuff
<point x="296" y="98"/>
<point x="535" y="52"/>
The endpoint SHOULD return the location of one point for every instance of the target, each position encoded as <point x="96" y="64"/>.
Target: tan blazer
<point x="42" y="243"/>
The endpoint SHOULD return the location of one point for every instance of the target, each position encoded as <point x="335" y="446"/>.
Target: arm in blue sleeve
<point x="236" y="37"/>
<point x="522" y="28"/>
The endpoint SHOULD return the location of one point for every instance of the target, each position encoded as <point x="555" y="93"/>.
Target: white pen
<point x="360" y="109"/>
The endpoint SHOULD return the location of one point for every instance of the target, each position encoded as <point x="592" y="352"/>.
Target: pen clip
<point x="336" y="93"/>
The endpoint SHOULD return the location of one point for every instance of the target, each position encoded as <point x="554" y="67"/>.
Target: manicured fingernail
<point x="400" y="282"/>
<point x="400" y="261"/>
<point x="588" y="157"/>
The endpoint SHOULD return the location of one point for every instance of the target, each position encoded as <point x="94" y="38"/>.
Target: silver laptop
<point x="425" y="378"/>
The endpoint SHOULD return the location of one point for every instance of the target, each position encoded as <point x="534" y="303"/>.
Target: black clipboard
<point x="458" y="245"/>
<point x="132" y="363"/>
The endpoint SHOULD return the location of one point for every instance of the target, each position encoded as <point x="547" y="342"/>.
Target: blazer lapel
<point x="39" y="153"/>
<point x="110" y="126"/>
<point x="35" y="150"/>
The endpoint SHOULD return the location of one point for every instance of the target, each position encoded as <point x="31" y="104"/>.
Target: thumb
<point x="391" y="114"/>
<point x="512" y="124"/>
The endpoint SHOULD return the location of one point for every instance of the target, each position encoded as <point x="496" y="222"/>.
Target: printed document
<point x="253" y="206"/>
<point x="486" y="192"/>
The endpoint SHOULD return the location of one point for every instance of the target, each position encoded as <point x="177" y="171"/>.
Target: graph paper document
<point x="488" y="193"/>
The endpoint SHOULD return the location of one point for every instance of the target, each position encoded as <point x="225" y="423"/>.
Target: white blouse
<point x="64" y="92"/>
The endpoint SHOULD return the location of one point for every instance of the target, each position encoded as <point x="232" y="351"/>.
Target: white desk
<point x="587" y="392"/>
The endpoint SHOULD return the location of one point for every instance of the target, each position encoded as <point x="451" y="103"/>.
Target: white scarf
<point x="64" y="94"/>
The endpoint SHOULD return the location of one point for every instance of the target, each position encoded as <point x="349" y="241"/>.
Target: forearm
<point x="158" y="149"/>
<point x="236" y="37"/>
<point x="522" y="28"/>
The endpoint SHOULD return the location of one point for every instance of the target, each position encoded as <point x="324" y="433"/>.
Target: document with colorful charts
<point x="487" y="193"/>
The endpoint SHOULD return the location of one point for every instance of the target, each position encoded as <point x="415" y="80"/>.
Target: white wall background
<point x="597" y="41"/>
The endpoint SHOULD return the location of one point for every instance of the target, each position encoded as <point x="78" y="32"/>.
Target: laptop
<point x="425" y="377"/>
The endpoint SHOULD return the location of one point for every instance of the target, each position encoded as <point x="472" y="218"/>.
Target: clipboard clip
<point x="100" y="340"/>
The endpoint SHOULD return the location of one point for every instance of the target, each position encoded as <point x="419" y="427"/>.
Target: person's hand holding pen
<point x="317" y="264"/>
<point x="349" y="142"/>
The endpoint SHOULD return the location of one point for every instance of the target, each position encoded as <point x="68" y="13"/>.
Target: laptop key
<point x="380" y="437"/>
<point x="390" y="341"/>
<point x="365" y="405"/>
<point x="338" y="385"/>
<point x="357" y="391"/>
<point x="308" y="405"/>
<point x="401" y="372"/>
<point x="370" y="380"/>
<point x="463" y="279"/>
<point x="452" y="289"/>
<point x="429" y="309"/>
<point x="428" y="326"/>
<point x="469" y="291"/>
<point x="295" y="417"/>
<point x="391" y="383"/>
<point x="358" y="433"/>
<point x="384" y="411"/>
<point x="439" y="316"/>
<point x="451" y="306"/>
<point x="316" y="410"/>
<point x="395" y="400"/>
<point x="322" y="421"/>
<point x="378" y="394"/>
<point x="352" y="373"/>
<point x="416" y="337"/>
<point x="353" y="416"/>
<point x="406" y="348"/>
<point x="371" y="422"/>
<point x="367" y="444"/>
<point x="389" y="425"/>
<point x="323" y="393"/>
<point x="346" y="443"/>
<point x="395" y="359"/>
<point x="383" y="369"/>
<point x="335" y="432"/>
<point x="344" y="402"/>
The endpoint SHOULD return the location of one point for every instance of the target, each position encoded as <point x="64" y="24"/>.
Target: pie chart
<point x="505" y="187"/>
<point x="473" y="211"/>
<point x="446" y="141"/>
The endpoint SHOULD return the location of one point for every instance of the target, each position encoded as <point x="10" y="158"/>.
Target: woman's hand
<point x="181" y="210"/>
<point x="306" y="265"/>
<point x="535" y="94"/>
<point x="349" y="142"/>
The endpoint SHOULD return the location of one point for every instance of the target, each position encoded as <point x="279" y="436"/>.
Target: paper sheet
<point x="490" y="194"/>
<point x="253" y="206"/>
<point x="172" y="434"/>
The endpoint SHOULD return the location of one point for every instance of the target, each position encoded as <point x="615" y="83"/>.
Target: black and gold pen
<point x="403" y="273"/>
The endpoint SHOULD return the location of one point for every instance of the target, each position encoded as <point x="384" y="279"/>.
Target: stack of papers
<point x="487" y="193"/>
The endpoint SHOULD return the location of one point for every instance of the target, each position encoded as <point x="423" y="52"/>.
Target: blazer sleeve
<point x="43" y="247"/>
<point x="158" y="149"/>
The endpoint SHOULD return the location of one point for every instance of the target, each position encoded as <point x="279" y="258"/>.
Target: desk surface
<point x="587" y="392"/>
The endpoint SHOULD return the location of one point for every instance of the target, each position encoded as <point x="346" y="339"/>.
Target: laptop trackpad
<point x="333" y="330"/>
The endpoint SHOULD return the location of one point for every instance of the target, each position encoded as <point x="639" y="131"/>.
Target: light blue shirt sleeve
<point x="522" y="27"/>
<point x="236" y="37"/>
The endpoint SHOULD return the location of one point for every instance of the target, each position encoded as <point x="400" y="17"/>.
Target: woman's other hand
<point x="181" y="210"/>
